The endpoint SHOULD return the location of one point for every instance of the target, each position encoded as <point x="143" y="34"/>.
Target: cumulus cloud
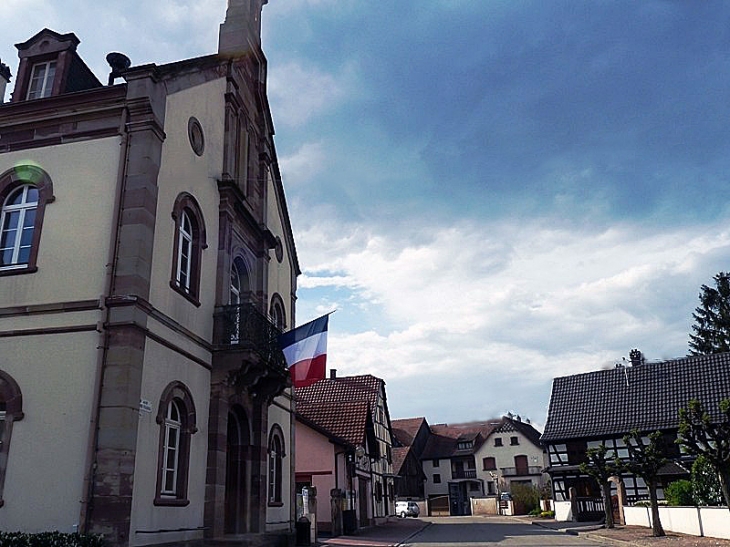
<point x="485" y="301"/>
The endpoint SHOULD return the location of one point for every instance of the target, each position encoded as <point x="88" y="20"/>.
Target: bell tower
<point x="241" y="30"/>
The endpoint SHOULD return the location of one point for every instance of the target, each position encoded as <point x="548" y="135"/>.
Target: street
<point x="478" y="531"/>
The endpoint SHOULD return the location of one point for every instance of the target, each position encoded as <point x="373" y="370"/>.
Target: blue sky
<point x="490" y="193"/>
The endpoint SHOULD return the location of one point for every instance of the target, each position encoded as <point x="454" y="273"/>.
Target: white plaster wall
<point x="716" y="522"/>
<point x="181" y="170"/>
<point x="279" y="273"/>
<point x="162" y="366"/>
<point x="47" y="455"/>
<point x="444" y="469"/>
<point x="562" y="511"/>
<point x="75" y="238"/>
<point x="279" y="518"/>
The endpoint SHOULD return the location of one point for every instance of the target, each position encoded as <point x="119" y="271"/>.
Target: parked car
<point x="406" y="509"/>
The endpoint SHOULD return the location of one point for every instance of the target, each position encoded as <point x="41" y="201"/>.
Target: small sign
<point x="145" y="406"/>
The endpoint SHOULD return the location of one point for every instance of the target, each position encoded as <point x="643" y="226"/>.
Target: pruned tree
<point x="700" y="436"/>
<point x="602" y="466"/>
<point x="645" y="460"/>
<point x="712" y="318"/>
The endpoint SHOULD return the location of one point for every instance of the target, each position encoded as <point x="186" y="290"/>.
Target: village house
<point x="462" y="463"/>
<point x="344" y="443"/>
<point x="600" y="407"/>
<point x="146" y="264"/>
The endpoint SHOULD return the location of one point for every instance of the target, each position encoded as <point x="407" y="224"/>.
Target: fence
<point x="696" y="521"/>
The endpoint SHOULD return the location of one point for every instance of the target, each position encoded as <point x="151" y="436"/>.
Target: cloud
<point x="490" y="300"/>
<point x="299" y="91"/>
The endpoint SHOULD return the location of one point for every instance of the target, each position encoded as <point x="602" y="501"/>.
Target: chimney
<point x="636" y="357"/>
<point x="333" y="374"/>
<point x="4" y="80"/>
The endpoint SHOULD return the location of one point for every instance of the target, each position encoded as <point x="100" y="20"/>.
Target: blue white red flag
<point x="305" y="350"/>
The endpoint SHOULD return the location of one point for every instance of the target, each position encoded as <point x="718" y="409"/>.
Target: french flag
<point x="305" y="350"/>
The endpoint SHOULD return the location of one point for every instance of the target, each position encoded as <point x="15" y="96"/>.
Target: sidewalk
<point x="395" y="532"/>
<point x="630" y="536"/>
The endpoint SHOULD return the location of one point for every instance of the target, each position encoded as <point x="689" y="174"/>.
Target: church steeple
<point x="241" y="30"/>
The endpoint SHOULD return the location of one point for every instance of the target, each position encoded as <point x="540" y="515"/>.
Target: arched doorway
<point x="237" y="470"/>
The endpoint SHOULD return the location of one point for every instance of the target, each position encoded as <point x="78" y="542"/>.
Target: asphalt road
<point x="480" y="531"/>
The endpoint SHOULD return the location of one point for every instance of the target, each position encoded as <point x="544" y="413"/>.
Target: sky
<point x="491" y="193"/>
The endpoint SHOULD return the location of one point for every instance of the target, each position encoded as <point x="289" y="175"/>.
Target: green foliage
<point x="535" y="512"/>
<point x="547" y="514"/>
<point x="702" y="437"/>
<point x="602" y="466"/>
<point x="705" y="483"/>
<point x="49" y="539"/>
<point x="712" y="318"/>
<point x="525" y="495"/>
<point x="679" y="493"/>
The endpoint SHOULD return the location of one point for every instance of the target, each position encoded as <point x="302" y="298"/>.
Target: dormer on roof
<point x="49" y="66"/>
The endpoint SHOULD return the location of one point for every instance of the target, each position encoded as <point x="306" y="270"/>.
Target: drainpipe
<point x="88" y="486"/>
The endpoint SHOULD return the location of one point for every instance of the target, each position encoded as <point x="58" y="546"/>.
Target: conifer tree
<point x="712" y="318"/>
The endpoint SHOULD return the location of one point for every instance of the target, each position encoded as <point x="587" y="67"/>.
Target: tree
<point x="645" y="460"/>
<point x="705" y="483"/>
<point x="700" y="436"/>
<point x="712" y="318"/>
<point x="602" y="467"/>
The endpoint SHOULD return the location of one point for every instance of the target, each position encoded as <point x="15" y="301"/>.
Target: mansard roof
<point x="646" y="397"/>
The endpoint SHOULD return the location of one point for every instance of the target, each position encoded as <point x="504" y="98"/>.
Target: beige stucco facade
<point x="142" y="395"/>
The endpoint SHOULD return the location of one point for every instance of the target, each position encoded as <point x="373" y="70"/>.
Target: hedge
<point x="49" y="539"/>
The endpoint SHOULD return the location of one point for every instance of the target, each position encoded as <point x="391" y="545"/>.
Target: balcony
<point x="521" y="471"/>
<point x="247" y="349"/>
<point x="464" y="473"/>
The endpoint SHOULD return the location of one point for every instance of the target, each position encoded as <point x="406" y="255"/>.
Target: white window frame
<point x="185" y="251"/>
<point x="171" y="450"/>
<point x="21" y="210"/>
<point x="46" y="80"/>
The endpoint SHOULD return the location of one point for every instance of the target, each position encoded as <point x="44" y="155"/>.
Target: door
<point x="237" y="449"/>
<point x="363" y="501"/>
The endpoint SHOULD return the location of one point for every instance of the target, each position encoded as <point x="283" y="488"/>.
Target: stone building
<point x="146" y="264"/>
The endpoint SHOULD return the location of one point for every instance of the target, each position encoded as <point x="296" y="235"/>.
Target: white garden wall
<point x="696" y="521"/>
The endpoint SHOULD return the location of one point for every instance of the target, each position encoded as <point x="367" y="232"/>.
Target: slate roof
<point x="646" y="397"/>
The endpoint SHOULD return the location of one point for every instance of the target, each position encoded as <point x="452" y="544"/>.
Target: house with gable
<point x="598" y="408"/>
<point x="146" y="263"/>
<point x="410" y="437"/>
<point x="473" y="460"/>
<point x="353" y="408"/>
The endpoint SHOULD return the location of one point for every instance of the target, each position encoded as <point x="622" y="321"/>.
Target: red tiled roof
<point x="399" y="456"/>
<point x="345" y="420"/>
<point x="346" y="388"/>
<point x="405" y="430"/>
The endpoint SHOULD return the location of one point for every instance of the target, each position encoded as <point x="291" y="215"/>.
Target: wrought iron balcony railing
<point x="244" y="327"/>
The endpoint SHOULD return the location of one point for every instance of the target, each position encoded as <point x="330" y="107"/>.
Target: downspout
<point x="88" y="484"/>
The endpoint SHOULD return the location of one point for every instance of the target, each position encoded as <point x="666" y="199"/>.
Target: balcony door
<point x="521" y="466"/>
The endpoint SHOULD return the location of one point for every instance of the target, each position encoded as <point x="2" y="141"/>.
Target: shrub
<point x="535" y="512"/>
<point x="49" y="539"/>
<point x="705" y="483"/>
<point x="547" y="514"/>
<point x="526" y="496"/>
<point x="679" y="493"/>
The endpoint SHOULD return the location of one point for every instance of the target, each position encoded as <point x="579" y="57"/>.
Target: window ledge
<point x="171" y="502"/>
<point x="276" y="504"/>
<point x="17" y="271"/>
<point x="188" y="296"/>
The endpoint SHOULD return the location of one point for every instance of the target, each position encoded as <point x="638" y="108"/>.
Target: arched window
<point x="277" y="313"/>
<point x="176" y="417"/>
<point x="11" y="410"/>
<point x="188" y="248"/>
<point x="24" y="192"/>
<point x="276" y="467"/>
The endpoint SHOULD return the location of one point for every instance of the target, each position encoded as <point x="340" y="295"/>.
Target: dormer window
<point x="41" y="80"/>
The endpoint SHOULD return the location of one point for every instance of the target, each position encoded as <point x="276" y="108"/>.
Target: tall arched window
<point x="176" y="417"/>
<point x="276" y="467"/>
<point x="24" y="192"/>
<point x="11" y="410"/>
<point x="277" y="313"/>
<point x="188" y="248"/>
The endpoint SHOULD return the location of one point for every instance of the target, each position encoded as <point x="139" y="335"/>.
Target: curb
<point x="589" y="534"/>
<point x="401" y="542"/>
